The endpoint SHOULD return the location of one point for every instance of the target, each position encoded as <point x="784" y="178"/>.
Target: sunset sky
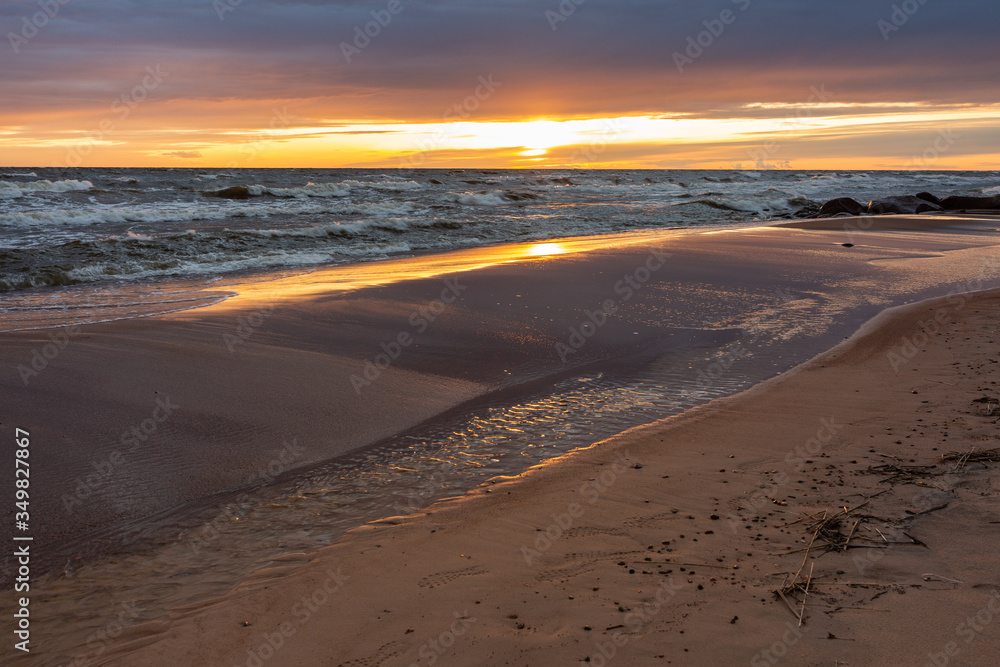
<point x="852" y="84"/>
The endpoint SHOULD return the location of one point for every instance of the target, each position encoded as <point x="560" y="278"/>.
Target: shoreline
<point x="602" y="258"/>
<point x="288" y="335"/>
<point x="550" y="598"/>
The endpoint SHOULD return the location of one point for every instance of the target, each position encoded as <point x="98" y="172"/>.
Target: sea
<point x="90" y="245"/>
<point x="115" y="237"/>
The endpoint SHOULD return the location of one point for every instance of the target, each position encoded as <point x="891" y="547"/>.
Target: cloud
<point x="607" y="58"/>
<point x="182" y="154"/>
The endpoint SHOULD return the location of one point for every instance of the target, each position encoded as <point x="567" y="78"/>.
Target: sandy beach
<point x="582" y="332"/>
<point x="663" y="544"/>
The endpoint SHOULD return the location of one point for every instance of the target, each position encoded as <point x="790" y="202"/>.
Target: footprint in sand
<point x="588" y="531"/>
<point x="442" y="578"/>
<point x="385" y="652"/>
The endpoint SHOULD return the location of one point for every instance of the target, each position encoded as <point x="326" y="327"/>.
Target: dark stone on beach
<point x="901" y="205"/>
<point x="974" y="203"/>
<point x="235" y="192"/>
<point x="841" y="205"/>
<point x="928" y="197"/>
<point x="847" y="245"/>
<point x="809" y="210"/>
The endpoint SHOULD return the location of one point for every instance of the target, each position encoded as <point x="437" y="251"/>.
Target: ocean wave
<point x="20" y="189"/>
<point x="308" y="190"/>
<point x="492" y="198"/>
<point x="391" y="186"/>
<point x="351" y="228"/>
<point x="765" y="208"/>
<point x="91" y="216"/>
<point x="158" y="265"/>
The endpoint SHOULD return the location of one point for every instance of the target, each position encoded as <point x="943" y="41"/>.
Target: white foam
<point x="308" y="190"/>
<point x="19" y="189"/>
<point x="212" y="263"/>
<point x="85" y="216"/>
<point x="992" y="191"/>
<point x="91" y="216"/>
<point x="393" y="186"/>
<point x="494" y="198"/>
<point x="342" y="228"/>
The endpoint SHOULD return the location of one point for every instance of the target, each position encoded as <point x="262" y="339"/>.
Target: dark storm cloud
<point x="604" y="56"/>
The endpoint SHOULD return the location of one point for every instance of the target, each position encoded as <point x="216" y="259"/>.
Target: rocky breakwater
<point x="844" y="207"/>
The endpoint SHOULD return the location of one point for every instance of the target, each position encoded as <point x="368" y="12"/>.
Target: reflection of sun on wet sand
<point x="842" y="511"/>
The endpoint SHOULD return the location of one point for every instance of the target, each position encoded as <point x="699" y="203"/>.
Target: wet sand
<point x="248" y="389"/>
<point x="665" y="544"/>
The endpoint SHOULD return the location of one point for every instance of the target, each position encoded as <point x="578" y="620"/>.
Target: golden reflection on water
<point x="347" y="278"/>
<point x="546" y="249"/>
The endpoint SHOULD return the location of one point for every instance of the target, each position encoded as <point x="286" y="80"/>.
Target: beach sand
<point x="616" y="549"/>
<point x="662" y="545"/>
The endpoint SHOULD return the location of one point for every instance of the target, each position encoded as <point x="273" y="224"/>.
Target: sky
<point x="754" y="84"/>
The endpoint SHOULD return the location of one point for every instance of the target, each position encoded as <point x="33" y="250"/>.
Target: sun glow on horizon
<point x="641" y="141"/>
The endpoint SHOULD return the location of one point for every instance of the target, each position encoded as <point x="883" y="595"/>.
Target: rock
<point x="236" y="192"/>
<point x="901" y="205"/>
<point x="926" y="196"/>
<point x="974" y="203"/>
<point x="841" y="205"/>
<point x="808" y="210"/>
